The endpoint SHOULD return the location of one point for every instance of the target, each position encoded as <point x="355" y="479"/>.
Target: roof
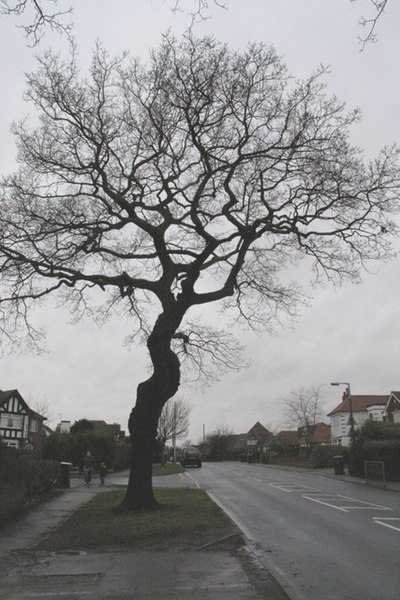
<point x="6" y="394"/>
<point x="321" y="434"/>
<point x="359" y="403"/>
<point x="260" y="430"/>
<point x="394" y="399"/>
<point x="100" y="425"/>
<point x="287" y="438"/>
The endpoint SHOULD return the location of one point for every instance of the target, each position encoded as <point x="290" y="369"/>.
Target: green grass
<point x="187" y="518"/>
<point x="167" y="469"/>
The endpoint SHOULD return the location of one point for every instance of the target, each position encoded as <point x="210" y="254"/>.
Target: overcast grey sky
<point x="347" y="334"/>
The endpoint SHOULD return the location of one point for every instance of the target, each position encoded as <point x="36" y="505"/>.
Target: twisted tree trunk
<point x="152" y="394"/>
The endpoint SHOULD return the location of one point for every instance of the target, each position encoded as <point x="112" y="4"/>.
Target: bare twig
<point x="38" y="18"/>
<point x="370" y="24"/>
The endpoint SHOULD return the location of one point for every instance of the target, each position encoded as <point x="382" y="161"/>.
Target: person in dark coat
<point x="89" y="465"/>
<point x="102" y="472"/>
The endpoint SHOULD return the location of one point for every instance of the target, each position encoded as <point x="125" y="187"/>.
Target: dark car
<point x="191" y="457"/>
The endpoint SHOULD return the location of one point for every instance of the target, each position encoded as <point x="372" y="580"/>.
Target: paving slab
<point x="27" y="574"/>
<point x="136" y="575"/>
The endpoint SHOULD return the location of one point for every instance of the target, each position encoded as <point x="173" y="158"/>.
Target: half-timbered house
<point x="20" y="426"/>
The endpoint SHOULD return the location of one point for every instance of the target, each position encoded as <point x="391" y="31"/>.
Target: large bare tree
<point x="198" y="178"/>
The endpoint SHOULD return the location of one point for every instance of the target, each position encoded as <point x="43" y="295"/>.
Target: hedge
<point x="387" y="451"/>
<point x="66" y="447"/>
<point x="24" y="479"/>
<point x="322" y="456"/>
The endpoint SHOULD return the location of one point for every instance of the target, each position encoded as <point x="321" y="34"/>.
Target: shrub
<point x="379" y="430"/>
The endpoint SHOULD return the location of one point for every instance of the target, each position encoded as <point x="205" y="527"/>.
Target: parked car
<point x="191" y="457"/>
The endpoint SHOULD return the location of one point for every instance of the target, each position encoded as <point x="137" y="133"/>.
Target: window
<point x="33" y="425"/>
<point x="11" y="421"/>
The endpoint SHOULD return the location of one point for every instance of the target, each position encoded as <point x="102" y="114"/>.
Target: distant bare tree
<point x="303" y="408"/>
<point x="173" y="422"/>
<point x="39" y="16"/>
<point x="41" y="406"/>
<point x="201" y="178"/>
<point x="218" y="442"/>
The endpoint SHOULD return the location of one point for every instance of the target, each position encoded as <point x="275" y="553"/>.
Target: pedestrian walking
<point x="89" y="465"/>
<point x="102" y="472"/>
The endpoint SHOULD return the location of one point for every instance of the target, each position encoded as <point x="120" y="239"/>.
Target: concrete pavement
<point x="27" y="574"/>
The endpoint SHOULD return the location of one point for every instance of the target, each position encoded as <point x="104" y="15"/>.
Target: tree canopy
<point x="201" y="177"/>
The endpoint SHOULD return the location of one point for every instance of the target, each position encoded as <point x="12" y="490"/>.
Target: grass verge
<point x="167" y="469"/>
<point x="187" y="519"/>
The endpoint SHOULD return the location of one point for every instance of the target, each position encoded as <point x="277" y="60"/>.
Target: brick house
<point x="318" y="434"/>
<point x="287" y="441"/>
<point x="20" y="426"/>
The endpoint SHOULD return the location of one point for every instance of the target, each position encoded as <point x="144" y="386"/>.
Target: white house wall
<point x="340" y="423"/>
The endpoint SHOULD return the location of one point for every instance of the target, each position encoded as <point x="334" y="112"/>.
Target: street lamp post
<point x="352" y="431"/>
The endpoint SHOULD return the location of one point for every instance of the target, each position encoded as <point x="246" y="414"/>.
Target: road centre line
<point x="382" y="521"/>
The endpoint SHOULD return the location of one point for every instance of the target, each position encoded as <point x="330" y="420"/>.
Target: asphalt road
<point x="322" y="538"/>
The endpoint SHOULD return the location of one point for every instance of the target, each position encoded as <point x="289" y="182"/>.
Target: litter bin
<point x="65" y="474"/>
<point x="338" y="464"/>
<point x="242" y="457"/>
<point x="250" y="458"/>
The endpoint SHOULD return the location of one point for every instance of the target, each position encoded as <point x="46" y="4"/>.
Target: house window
<point x="11" y="421"/>
<point x="33" y="425"/>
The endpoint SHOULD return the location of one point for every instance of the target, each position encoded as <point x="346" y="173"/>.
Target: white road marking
<point x="382" y="521"/>
<point x="337" y="502"/>
<point x="320" y="501"/>
<point x="254" y="478"/>
<point x="368" y="505"/>
<point x="193" y="479"/>
<point x="292" y="487"/>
